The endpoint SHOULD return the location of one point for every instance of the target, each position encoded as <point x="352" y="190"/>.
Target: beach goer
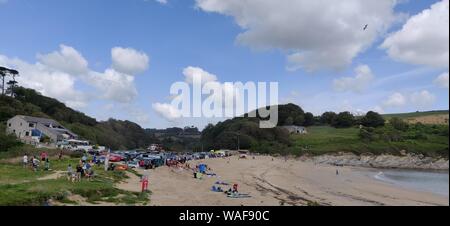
<point x="84" y="158"/>
<point x="337" y="172"/>
<point x="89" y="173"/>
<point x="70" y="173"/>
<point x="47" y="165"/>
<point x="35" y="164"/>
<point x="79" y="172"/>
<point x="25" y="160"/>
<point x="235" y="188"/>
<point x="42" y="156"/>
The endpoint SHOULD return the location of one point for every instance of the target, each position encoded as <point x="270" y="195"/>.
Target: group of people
<point x="83" y="169"/>
<point x="35" y="163"/>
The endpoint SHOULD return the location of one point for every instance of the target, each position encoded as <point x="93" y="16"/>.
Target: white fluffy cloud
<point x="190" y="73"/>
<point x="395" y="100"/>
<point x="230" y="97"/>
<point x="48" y="81"/>
<point x="129" y="61"/>
<point x="422" y="99"/>
<point x="113" y="85"/>
<point x="419" y="100"/>
<point x="424" y="39"/>
<point x="358" y="83"/>
<point x="229" y="91"/>
<point x="162" y="1"/>
<point x="167" y="111"/>
<point x="67" y="59"/>
<point x="316" y="34"/>
<point x="442" y="80"/>
<point x="57" y="74"/>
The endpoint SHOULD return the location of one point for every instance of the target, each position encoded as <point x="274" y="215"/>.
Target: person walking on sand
<point x="337" y="172"/>
<point x="25" y="160"/>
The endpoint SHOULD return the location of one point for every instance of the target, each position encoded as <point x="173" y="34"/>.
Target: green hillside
<point x="416" y="114"/>
<point x="331" y="133"/>
<point x="426" y="140"/>
<point x="115" y="134"/>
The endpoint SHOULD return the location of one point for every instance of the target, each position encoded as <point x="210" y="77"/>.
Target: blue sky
<point x="317" y="64"/>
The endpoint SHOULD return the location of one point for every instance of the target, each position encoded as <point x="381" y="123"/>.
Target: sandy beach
<point x="278" y="182"/>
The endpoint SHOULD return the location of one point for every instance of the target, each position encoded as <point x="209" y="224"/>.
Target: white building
<point x="295" y="129"/>
<point x="29" y="128"/>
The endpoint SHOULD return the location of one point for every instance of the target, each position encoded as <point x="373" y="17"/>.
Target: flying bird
<point x="365" y="27"/>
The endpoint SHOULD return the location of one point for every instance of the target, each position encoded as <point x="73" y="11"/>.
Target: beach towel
<point x="216" y="189"/>
<point x="238" y="196"/>
<point x="222" y="183"/>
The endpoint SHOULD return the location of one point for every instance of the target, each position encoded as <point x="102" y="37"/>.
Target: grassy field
<point x="22" y="186"/>
<point x="430" y="117"/>
<point x="324" y="139"/>
<point x="416" y="114"/>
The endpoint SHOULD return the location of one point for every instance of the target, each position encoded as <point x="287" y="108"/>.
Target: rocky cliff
<point x="406" y="161"/>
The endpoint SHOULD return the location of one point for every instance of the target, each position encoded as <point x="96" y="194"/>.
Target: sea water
<point x="429" y="181"/>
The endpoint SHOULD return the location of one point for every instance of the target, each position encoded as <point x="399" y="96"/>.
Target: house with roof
<point x="29" y="128"/>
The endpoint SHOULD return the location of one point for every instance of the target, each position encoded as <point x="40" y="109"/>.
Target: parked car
<point x="133" y="165"/>
<point x="115" y="158"/>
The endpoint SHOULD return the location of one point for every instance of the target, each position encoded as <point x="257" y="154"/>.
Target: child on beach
<point x="25" y="160"/>
<point x="35" y="164"/>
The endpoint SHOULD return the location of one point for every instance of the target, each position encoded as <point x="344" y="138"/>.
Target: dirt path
<point x="133" y="183"/>
<point x="55" y="175"/>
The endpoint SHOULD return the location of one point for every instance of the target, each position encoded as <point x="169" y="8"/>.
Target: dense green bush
<point x="328" y="118"/>
<point x="399" y="124"/>
<point x="372" y="119"/>
<point x="309" y="119"/>
<point x="344" y="120"/>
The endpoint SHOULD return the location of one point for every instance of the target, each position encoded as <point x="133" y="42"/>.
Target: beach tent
<point x="202" y="168"/>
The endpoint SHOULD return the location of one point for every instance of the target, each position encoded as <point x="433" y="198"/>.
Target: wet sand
<point x="279" y="182"/>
